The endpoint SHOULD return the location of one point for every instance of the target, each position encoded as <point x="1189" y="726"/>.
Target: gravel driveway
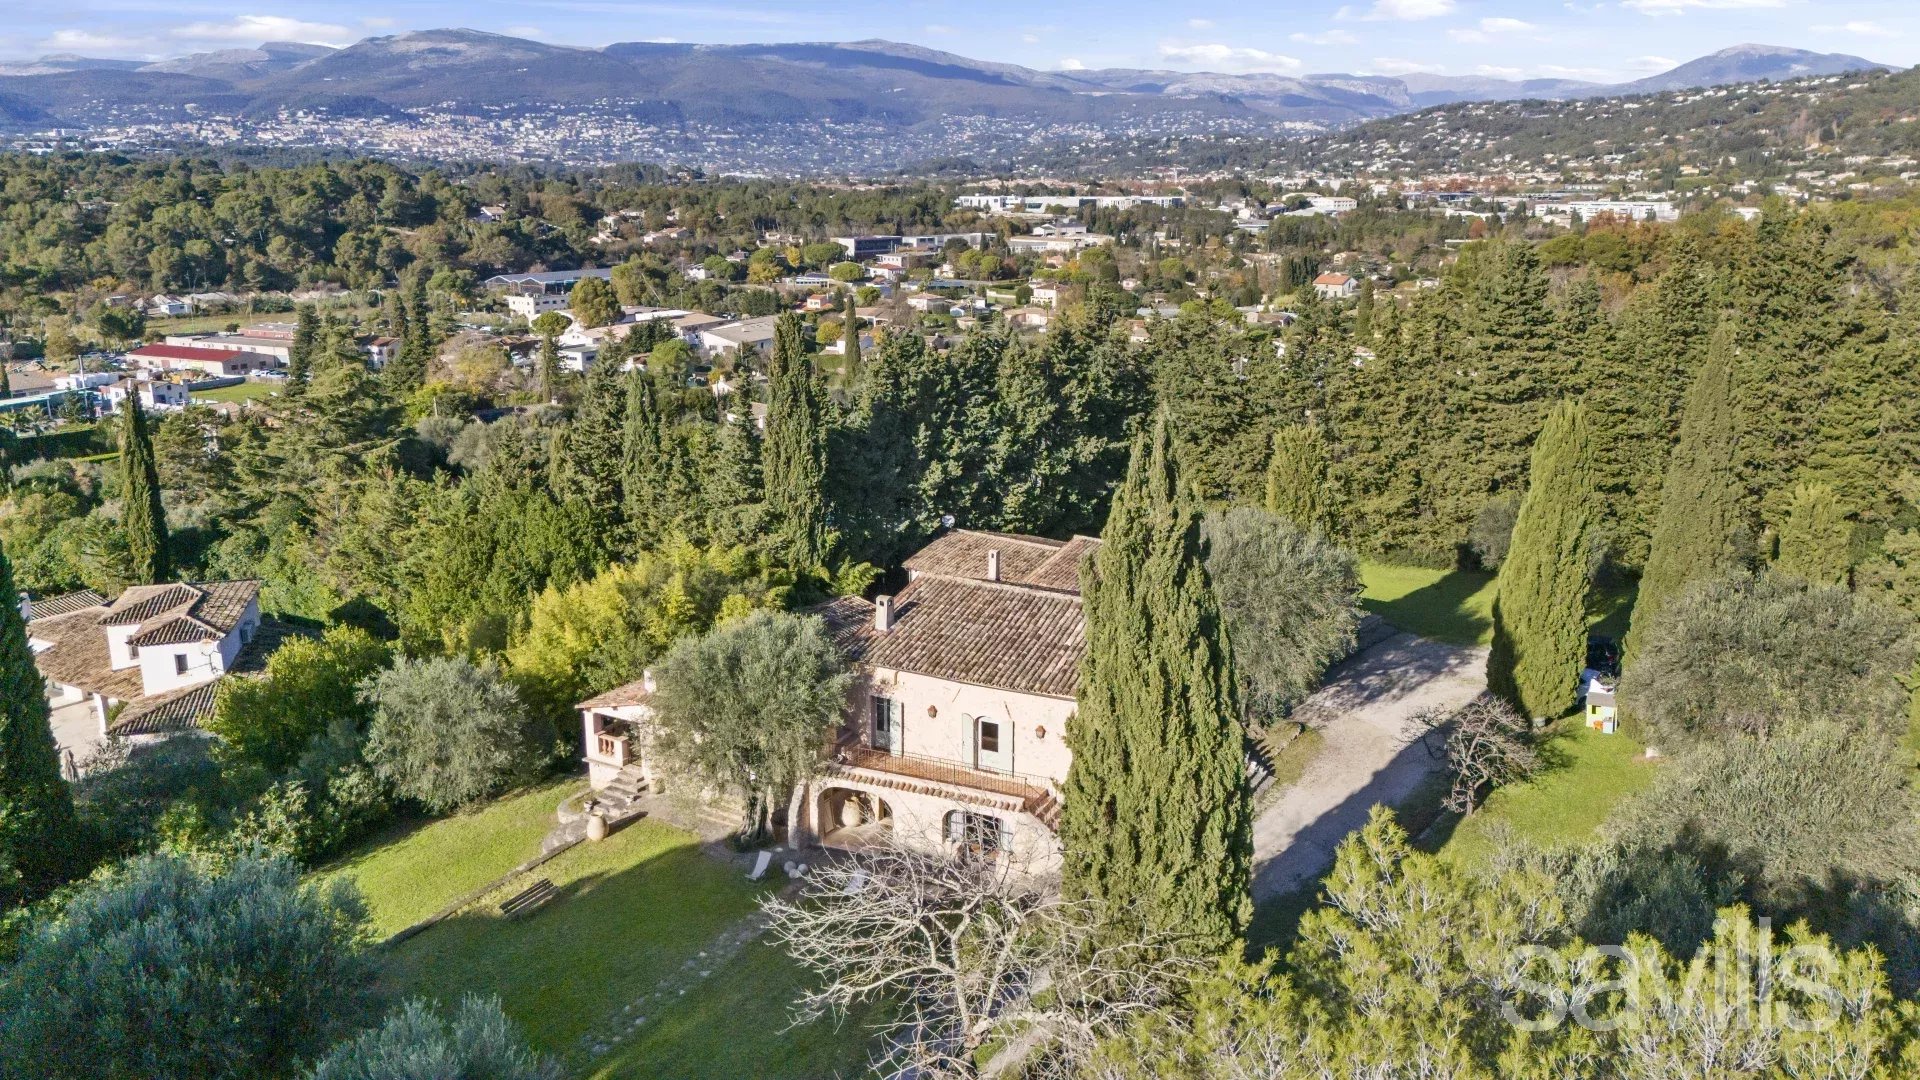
<point x="1365" y="760"/>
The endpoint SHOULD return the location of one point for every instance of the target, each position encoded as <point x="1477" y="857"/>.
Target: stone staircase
<point x="623" y="790"/>
<point x="1046" y="808"/>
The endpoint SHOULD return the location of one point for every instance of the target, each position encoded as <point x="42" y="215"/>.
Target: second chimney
<point x="883" y="613"/>
<point x="993" y="565"/>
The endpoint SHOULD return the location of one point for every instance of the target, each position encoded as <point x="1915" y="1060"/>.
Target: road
<point x="1365" y="759"/>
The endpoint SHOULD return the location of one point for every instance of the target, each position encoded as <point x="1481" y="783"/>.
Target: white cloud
<point x="378" y="22"/>
<point x="1031" y="39"/>
<point x="1589" y="74"/>
<point x="1680" y="7"/>
<point x="524" y="32"/>
<point x="1070" y="64"/>
<point x="254" y="29"/>
<point x="1200" y="24"/>
<point x="1861" y="27"/>
<point x="1469" y="37"/>
<point x="1399" y="10"/>
<point x="1653" y="63"/>
<point x="937" y="28"/>
<point x="1229" y="58"/>
<point x="1501" y="25"/>
<point x="1494" y="71"/>
<point x="88" y="41"/>
<point x="1390" y="65"/>
<point x="1331" y="37"/>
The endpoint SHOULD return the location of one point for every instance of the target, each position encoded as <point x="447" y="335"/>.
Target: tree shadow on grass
<point x="621" y="922"/>
<point x="1443" y="609"/>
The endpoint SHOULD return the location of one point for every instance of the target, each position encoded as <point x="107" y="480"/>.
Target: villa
<point x="954" y="735"/>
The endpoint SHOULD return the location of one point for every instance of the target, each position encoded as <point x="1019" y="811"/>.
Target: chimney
<point x="883" y="613"/>
<point x="26" y="606"/>
<point x="993" y="565"/>
<point x="646" y="680"/>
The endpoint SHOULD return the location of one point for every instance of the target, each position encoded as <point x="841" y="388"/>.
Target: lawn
<point x="702" y="1037"/>
<point x="1456" y="606"/>
<point x="1589" y="773"/>
<point x="633" y="912"/>
<point x="414" y="870"/>
<point x="245" y="391"/>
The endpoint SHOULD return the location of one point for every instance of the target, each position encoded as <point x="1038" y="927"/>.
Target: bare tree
<point x="964" y="952"/>
<point x="1487" y="744"/>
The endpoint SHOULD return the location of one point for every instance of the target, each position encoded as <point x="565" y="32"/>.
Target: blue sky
<point x="1603" y="41"/>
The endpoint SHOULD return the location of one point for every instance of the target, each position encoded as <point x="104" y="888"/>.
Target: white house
<point x="210" y="360"/>
<point x="1334" y="286"/>
<point x="156" y="651"/>
<point x="156" y="395"/>
<point x="747" y="335"/>
<point x="954" y="735"/>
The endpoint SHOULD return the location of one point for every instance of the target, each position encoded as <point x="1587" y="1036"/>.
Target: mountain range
<point x="880" y="82"/>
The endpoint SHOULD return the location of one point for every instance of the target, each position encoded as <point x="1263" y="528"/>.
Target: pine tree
<point x="549" y="362"/>
<point x="851" y="339"/>
<point x="1156" y="821"/>
<point x="1814" y="535"/>
<point x="141" y="515"/>
<point x="1693" y="534"/>
<point x="1298" y="487"/>
<point x="39" y="838"/>
<point x="1363" y="312"/>
<point x="795" y="455"/>
<point x="1539" y="610"/>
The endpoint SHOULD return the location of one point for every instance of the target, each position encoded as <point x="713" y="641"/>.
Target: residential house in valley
<point x="954" y="736"/>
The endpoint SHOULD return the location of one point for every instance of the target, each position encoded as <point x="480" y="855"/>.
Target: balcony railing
<point x="847" y="750"/>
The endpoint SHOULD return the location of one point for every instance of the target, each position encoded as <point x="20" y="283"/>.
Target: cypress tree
<point x="794" y="460"/>
<point x="1298" y="487"/>
<point x="596" y="440"/>
<point x="1539" y="609"/>
<point x="306" y="340"/>
<point x="1157" y="821"/>
<point x="640" y="458"/>
<point x="6" y="382"/>
<point x="1699" y="513"/>
<point x="1815" y="535"/>
<point x="549" y="368"/>
<point x="140" y="512"/>
<point x="850" y="336"/>
<point x="39" y="839"/>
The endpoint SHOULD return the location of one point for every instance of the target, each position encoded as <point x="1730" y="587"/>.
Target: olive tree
<point x="447" y="732"/>
<point x="167" y="970"/>
<point x="1291" y="599"/>
<point x="747" y="707"/>
<point x="476" y="1042"/>
<point x="1753" y="655"/>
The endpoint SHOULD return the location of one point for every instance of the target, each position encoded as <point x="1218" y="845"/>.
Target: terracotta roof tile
<point x="66" y="604"/>
<point x="1024" y="560"/>
<point x="183" y="709"/>
<point x="77" y="655"/>
<point x="633" y="693"/>
<point x="984" y="633"/>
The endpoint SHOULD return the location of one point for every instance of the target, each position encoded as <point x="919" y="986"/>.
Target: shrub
<point x="447" y="733"/>
<point x="477" y="1042"/>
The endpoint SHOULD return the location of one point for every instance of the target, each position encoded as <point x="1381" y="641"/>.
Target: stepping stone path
<point x="632" y="1016"/>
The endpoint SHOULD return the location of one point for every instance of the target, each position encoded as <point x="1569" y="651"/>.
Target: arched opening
<point x="848" y="818"/>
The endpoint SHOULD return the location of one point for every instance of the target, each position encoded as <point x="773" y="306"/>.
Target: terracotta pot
<point x="851" y="814"/>
<point x="596" y="826"/>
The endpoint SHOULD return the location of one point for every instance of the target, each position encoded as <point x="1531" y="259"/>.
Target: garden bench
<point x="528" y="898"/>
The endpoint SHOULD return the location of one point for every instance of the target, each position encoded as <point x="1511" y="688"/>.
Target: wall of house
<point x="917" y="820"/>
<point x="1032" y="726"/>
<point x="160" y="673"/>
<point x="119" y="653"/>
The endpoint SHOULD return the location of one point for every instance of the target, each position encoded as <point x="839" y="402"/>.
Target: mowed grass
<point x="634" y="913"/>
<point x="246" y="391"/>
<point x="1456" y="606"/>
<point x="1588" y="775"/>
<point x="734" y="1027"/>
<point x="414" y="870"/>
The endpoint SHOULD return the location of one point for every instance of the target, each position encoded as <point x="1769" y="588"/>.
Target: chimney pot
<point x="646" y="679"/>
<point x="883" y="613"/>
<point x="993" y="565"/>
